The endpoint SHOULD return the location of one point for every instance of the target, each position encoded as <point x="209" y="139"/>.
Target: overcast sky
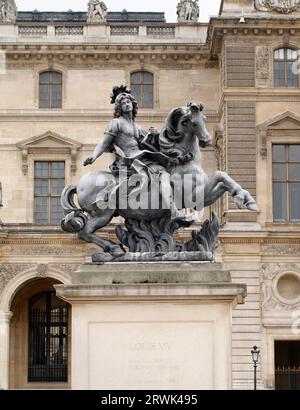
<point x="207" y="7"/>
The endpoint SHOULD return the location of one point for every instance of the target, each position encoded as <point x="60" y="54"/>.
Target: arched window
<point x="285" y="68"/>
<point x="142" y="88"/>
<point x="48" y="339"/>
<point x="50" y="89"/>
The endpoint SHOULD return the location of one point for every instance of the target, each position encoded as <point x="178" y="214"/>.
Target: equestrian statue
<point x="154" y="178"/>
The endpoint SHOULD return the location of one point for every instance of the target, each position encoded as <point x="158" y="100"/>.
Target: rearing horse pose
<point x="174" y="151"/>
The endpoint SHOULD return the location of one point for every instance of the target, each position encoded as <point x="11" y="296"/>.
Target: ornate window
<point x="142" y="88"/>
<point x="284" y="68"/>
<point x="49" y="181"/>
<point x="286" y="183"/>
<point x="50" y="89"/>
<point x="48" y="339"/>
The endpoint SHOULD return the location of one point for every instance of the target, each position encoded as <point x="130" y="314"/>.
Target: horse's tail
<point x="75" y="219"/>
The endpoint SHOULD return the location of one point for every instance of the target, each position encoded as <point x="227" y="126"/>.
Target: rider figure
<point x="123" y="137"/>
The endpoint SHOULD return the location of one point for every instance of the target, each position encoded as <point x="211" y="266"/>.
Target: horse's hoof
<point x="252" y="206"/>
<point x="117" y="252"/>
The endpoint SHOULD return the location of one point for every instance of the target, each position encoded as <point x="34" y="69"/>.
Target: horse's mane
<point x="169" y="135"/>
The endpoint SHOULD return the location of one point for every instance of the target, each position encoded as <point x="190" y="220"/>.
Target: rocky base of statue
<point x="155" y="257"/>
<point x="153" y="240"/>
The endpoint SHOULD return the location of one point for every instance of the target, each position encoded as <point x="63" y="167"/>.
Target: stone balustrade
<point x="153" y="32"/>
<point x="32" y="31"/>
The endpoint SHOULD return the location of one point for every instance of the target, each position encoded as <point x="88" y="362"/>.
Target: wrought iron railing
<point x="287" y="378"/>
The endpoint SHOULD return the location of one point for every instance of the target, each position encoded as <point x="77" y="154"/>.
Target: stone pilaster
<point x="4" y="349"/>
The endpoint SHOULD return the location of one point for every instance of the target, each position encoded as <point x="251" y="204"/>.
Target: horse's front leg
<point x="221" y="182"/>
<point x="213" y="192"/>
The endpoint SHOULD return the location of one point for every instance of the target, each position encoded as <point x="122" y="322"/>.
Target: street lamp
<point x="255" y="355"/>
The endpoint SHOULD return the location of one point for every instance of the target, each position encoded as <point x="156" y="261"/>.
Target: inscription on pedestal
<point x="159" y="355"/>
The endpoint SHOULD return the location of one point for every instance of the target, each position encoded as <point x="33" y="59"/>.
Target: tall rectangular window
<point x="142" y="88"/>
<point x="50" y="89"/>
<point x="286" y="183"/>
<point x="49" y="181"/>
<point x="285" y="74"/>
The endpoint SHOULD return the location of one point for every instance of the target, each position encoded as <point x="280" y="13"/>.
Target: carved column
<point x="4" y="349"/>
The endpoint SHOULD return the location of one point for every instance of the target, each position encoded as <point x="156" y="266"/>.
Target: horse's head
<point x="188" y="122"/>
<point x="184" y="125"/>
<point x="195" y="121"/>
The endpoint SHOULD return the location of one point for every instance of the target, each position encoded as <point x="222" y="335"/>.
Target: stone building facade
<point x="228" y="64"/>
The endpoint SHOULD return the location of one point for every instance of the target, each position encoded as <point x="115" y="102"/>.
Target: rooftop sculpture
<point x="188" y="11"/>
<point x="97" y="11"/>
<point x="8" y="11"/>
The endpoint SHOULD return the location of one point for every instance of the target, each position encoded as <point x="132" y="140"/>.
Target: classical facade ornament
<point x="188" y="10"/>
<point x="262" y="63"/>
<point x="66" y="268"/>
<point x="97" y="11"/>
<point x="281" y="249"/>
<point x="281" y="6"/>
<point x="272" y="296"/>
<point x="42" y="270"/>
<point x="49" y="142"/>
<point x="9" y="271"/>
<point x="8" y="11"/>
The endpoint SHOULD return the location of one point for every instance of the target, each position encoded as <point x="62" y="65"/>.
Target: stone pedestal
<point x="151" y="325"/>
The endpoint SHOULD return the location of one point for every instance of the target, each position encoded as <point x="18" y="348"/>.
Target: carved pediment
<point x="286" y="121"/>
<point x="286" y="124"/>
<point x="49" y="142"/>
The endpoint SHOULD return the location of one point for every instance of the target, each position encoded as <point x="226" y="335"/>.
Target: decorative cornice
<point x="94" y="48"/>
<point x="220" y="28"/>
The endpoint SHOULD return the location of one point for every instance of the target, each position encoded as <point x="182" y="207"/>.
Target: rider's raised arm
<point x="105" y="145"/>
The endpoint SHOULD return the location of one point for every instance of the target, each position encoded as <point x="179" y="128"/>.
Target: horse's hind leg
<point x="87" y="234"/>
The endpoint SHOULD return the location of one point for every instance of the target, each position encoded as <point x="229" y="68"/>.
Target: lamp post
<point x="255" y="355"/>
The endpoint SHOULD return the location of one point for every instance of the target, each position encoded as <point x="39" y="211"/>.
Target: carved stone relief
<point x="271" y="299"/>
<point x="281" y="6"/>
<point x="281" y="249"/>
<point x="262" y="63"/>
<point x="9" y="271"/>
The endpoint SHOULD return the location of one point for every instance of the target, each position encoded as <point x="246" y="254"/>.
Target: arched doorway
<point x="39" y="337"/>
